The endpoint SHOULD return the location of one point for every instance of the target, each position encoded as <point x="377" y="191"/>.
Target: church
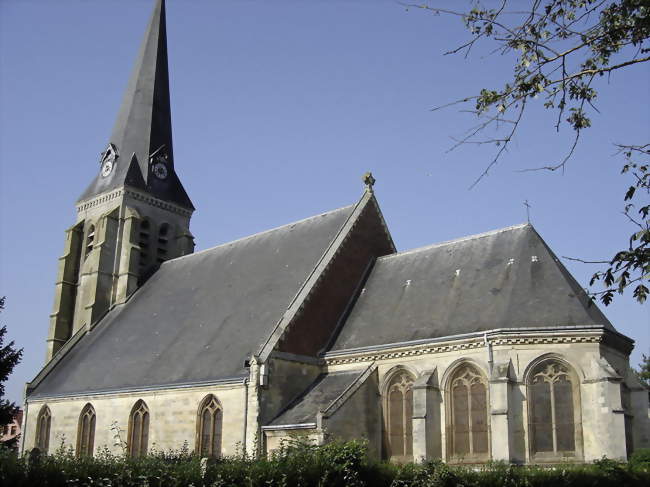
<point x="479" y="349"/>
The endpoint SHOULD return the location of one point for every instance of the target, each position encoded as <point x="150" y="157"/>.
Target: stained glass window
<point x="209" y="427"/>
<point x="468" y="426"/>
<point x="399" y="416"/>
<point x="139" y="429"/>
<point x="552" y="412"/>
<point x="86" y="431"/>
<point x="43" y="424"/>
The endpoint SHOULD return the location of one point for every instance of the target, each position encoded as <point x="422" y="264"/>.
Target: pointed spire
<point x="143" y="129"/>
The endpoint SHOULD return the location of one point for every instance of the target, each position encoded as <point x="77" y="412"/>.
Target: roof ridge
<point x="258" y="234"/>
<point x="456" y="240"/>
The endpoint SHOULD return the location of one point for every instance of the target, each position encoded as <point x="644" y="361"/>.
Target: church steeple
<point x="135" y="214"/>
<point x="140" y="152"/>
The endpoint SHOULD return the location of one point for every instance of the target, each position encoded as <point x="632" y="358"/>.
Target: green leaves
<point x="578" y="119"/>
<point x="631" y="266"/>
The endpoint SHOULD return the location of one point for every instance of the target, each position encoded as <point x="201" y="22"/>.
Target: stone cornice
<point x="498" y="337"/>
<point x="136" y="195"/>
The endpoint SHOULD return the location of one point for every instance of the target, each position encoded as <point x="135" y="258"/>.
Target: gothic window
<point x="90" y="239"/>
<point x="144" y="243"/>
<point x="163" y="238"/>
<point x="138" y="429"/>
<point x="552" y="396"/>
<point x="468" y="415"/>
<point x="209" y="426"/>
<point x="399" y="417"/>
<point x="86" y="431"/>
<point x="43" y="424"/>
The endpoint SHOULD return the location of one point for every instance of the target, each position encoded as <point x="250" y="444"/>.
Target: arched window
<point x="468" y="415"/>
<point x="138" y="429"/>
<point x="43" y="424"/>
<point x="209" y="425"/>
<point x="90" y="240"/>
<point x="163" y="239"/>
<point x="399" y="417"/>
<point x="86" y="431"/>
<point x="553" y="408"/>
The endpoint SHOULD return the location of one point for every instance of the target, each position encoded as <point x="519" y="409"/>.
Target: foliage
<point x="562" y="50"/>
<point x="9" y="357"/>
<point x="640" y="459"/>
<point x="644" y="370"/>
<point x="632" y="265"/>
<point x="300" y="463"/>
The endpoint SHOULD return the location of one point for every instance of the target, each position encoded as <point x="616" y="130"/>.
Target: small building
<point x="482" y="348"/>
<point x="10" y="433"/>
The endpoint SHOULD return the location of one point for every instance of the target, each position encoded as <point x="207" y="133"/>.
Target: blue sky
<point x="278" y="109"/>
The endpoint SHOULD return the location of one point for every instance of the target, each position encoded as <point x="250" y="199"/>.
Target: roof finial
<point x="528" y="207"/>
<point x="369" y="181"/>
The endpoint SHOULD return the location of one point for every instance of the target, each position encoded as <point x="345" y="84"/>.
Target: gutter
<point x="280" y="427"/>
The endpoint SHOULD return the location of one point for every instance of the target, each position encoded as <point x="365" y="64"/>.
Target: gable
<point x="503" y="279"/>
<point x="198" y="317"/>
<point x="367" y="238"/>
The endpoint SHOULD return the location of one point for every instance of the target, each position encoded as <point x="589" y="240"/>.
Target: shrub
<point x="640" y="459"/>
<point x="299" y="463"/>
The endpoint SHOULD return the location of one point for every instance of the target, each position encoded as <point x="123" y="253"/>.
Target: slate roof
<point x="508" y="278"/>
<point x="198" y="317"/>
<point x="144" y="123"/>
<point x="325" y="389"/>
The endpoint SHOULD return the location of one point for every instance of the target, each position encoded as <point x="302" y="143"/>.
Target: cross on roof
<point x="528" y="207"/>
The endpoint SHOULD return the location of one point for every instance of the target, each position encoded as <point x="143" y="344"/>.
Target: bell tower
<point x="135" y="214"/>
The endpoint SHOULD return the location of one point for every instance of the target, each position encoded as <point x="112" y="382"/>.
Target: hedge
<point x="300" y="464"/>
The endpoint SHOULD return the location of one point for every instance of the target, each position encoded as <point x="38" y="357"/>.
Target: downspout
<point x="245" y="414"/>
<point x="23" y="429"/>
<point x="488" y="345"/>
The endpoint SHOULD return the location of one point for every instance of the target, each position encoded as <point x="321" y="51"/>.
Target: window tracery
<point x="43" y="425"/>
<point x="210" y="422"/>
<point x="138" y="429"/>
<point x="399" y="416"/>
<point x="86" y="431"/>
<point x="552" y="394"/>
<point x="468" y="415"/>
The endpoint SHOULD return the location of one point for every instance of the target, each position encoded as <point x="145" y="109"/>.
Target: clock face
<point x="107" y="167"/>
<point x="160" y="170"/>
<point x="108" y="159"/>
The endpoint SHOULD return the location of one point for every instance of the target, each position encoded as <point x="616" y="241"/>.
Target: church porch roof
<point x="323" y="392"/>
